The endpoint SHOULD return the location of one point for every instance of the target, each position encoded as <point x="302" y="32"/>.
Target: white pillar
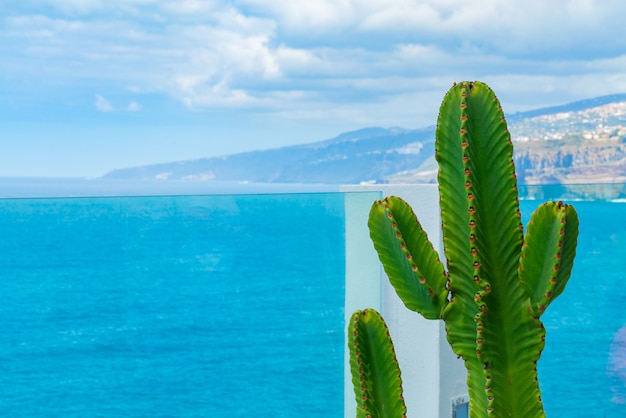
<point x="431" y="373"/>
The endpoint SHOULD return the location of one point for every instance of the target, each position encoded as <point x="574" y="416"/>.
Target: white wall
<point x="431" y="374"/>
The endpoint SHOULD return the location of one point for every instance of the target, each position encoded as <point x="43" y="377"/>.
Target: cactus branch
<point x="375" y="372"/>
<point x="411" y="262"/>
<point x="548" y="253"/>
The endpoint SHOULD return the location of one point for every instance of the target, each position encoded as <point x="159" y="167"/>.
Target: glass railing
<point x="233" y="305"/>
<point x="574" y="192"/>
<point x="221" y="305"/>
<point x="583" y="366"/>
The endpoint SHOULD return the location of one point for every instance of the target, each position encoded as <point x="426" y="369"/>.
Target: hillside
<point x="369" y="154"/>
<point x="582" y="142"/>
<point x="583" y="146"/>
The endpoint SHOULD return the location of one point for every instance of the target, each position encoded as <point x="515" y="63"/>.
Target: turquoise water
<point x="232" y="306"/>
<point x="219" y="306"/>
<point x="583" y="367"/>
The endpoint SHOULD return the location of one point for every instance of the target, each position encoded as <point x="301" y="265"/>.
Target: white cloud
<point x="102" y="104"/>
<point x="319" y="56"/>
<point x="512" y="27"/>
<point x="318" y="15"/>
<point x="77" y="6"/>
<point x="294" y="61"/>
<point x="204" y="91"/>
<point x="404" y="16"/>
<point x="134" y="107"/>
<point x="190" y="6"/>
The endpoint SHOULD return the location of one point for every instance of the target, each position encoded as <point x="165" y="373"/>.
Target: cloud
<point x="318" y="15"/>
<point x="102" y="104"/>
<point x="358" y="57"/>
<point x="513" y="28"/>
<point x="76" y="6"/>
<point x="222" y="53"/>
<point x="190" y="6"/>
<point x="133" y="107"/>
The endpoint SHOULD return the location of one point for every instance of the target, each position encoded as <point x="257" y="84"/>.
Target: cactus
<point x="497" y="281"/>
<point x="375" y="372"/>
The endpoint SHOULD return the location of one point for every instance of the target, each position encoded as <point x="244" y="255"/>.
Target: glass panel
<point x="176" y="306"/>
<point x="586" y="326"/>
<point x="233" y="305"/>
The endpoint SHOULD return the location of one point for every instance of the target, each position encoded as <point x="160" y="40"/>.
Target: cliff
<point x="584" y="146"/>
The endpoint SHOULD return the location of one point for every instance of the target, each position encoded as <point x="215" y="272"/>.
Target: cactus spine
<point x="497" y="281"/>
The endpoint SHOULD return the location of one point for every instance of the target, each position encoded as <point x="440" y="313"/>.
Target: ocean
<point x="231" y="305"/>
<point x="582" y="371"/>
<point x="186" y="306"/>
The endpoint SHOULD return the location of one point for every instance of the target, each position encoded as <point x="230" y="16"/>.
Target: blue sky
<point x="87" y="86"/>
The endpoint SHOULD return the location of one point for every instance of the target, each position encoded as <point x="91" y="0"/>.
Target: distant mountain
<point x="365" y="155"/>
<point x="581" y="142"/>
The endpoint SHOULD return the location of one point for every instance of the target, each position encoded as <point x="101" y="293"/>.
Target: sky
<point x="88" y="86"/>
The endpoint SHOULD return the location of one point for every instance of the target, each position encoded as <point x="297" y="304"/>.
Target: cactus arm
<point x="409" y="259"/>
<point x="548" y="253"/>
<point x="375" y="372"/>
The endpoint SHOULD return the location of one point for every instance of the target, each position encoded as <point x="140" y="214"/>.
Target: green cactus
<point x="375" y="372"/>
<point x="497" y="282"/>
